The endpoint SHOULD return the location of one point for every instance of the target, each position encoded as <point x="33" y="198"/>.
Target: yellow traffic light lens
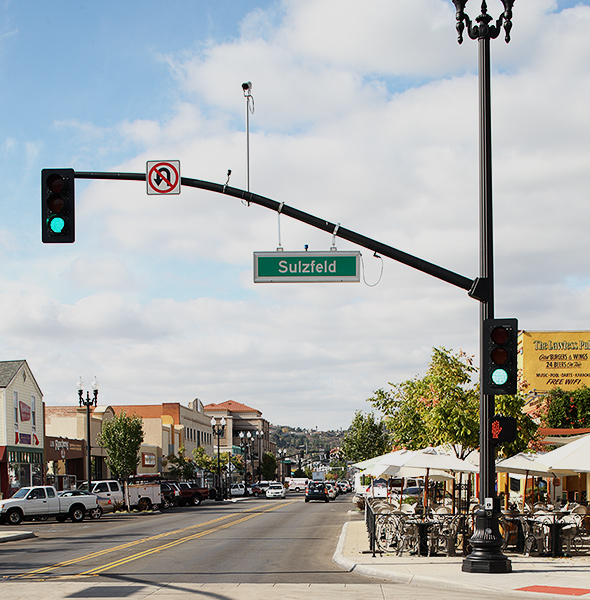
<point x="499" y="356"/>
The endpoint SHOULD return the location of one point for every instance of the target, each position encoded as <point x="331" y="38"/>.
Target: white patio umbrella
<point x="428" y="459"/>
<point x="368" y="463"/>
<point x="525" y="464"/>
<point x="571" y="458"/>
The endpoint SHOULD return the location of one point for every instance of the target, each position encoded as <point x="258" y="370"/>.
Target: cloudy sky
<point x="365" y="114"/>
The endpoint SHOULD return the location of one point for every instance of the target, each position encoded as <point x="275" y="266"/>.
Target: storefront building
<point x="21" y="428"/>
<point x="65" y="461"/>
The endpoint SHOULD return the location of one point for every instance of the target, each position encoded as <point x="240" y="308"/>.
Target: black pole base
<point x="486" y="556"/>
<point x="486" y="564"/>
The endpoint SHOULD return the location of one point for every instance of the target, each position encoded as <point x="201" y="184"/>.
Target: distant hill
<point x="315" y="444"/>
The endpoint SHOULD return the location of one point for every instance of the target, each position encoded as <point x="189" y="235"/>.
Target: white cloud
<point x="375" y="129"/>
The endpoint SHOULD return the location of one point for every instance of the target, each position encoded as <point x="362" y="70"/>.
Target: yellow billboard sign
<point x="551" y="359"/>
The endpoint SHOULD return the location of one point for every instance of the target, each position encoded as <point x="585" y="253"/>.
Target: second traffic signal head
<point x="57" y="206"/>
<point x="499" y="370"/>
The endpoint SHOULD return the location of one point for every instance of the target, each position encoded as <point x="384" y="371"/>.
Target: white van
<point x="297" y="484"/>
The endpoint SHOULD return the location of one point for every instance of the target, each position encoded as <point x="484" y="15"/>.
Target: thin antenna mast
<point x="247" y="89"/>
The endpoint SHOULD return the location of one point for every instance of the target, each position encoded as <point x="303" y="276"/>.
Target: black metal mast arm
<point x="455" y="279"/>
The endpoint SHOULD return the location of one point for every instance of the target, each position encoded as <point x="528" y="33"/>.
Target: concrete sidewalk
<point x="534" y="578"/>
<point x="546" y="577"/>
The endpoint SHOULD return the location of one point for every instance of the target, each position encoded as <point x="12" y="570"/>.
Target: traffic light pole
<point x="473" y="286"/>
<point x="486" y="556"/>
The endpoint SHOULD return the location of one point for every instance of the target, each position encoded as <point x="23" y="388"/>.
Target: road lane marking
<point x="122" y="561"/>
<point x="73" y="561"/>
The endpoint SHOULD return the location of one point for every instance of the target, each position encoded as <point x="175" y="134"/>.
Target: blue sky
<point x="376" y="130"/>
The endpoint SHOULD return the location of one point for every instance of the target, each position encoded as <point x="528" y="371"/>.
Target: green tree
<point x="365" y="438"/>
<point x="268" y="466"/>
<point x="122" y="437"/>
<point x="443" y="407"/>
<point x="181" y="467"/>
<point x="567" y="409"/>
<point x="202" y="459"/>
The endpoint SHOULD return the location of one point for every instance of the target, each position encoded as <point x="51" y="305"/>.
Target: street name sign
<point x="281" y="266"/>
<point x="163" y="176"/>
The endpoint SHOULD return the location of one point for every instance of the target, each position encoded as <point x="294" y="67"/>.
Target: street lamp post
<point x="218" y="430"/>
<point x="486" y="541"/>
<point x="246" y="445"/>
<point x="88" y="402"/>
<point x="257" y="434"/>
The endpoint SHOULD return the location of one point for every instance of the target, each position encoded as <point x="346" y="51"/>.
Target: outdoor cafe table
<point x="555" y="526"/>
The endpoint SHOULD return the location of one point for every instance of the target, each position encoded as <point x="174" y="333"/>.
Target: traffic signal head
<point x="499" y="357"/>
<point x="57" y="206"/>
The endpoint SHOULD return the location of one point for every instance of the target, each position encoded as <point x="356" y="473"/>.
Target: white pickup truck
<point x="42" y="501"/>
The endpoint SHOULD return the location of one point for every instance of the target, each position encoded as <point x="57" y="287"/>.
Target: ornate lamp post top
<point x="483" y="29"/>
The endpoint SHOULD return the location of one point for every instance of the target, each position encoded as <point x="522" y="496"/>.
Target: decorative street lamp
<point x="486" y="541"/>
<point x="246" y="445"/>
<point x="88" y="402"/>
<point x="257" y="434"/>
<point x="218" y="430"/>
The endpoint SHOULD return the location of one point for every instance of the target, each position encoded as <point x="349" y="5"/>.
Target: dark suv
<point x="316" y="490"/>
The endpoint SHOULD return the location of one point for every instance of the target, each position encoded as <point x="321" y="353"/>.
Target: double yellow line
<point x="160" y="548"/>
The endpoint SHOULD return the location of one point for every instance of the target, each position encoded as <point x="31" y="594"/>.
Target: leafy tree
<point x="202" y="459"/>
<point x="269" y="466"/>
<point x="567" y="409"/>
<point x="122" y="437"/>
<point x="208" y="463"/>
<point x="365" y="438"/>
<point x="443" y="407"/>
<point x="181" y="467"/>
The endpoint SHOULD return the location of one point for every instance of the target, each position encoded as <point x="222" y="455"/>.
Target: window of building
<point x="33" y="415"/>
<point x="15" y="410"/>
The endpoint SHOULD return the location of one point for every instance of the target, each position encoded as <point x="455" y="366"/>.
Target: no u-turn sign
<point x="163" y="177"/>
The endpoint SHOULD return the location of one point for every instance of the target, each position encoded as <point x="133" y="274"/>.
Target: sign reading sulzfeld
<point x="306" y="266"/>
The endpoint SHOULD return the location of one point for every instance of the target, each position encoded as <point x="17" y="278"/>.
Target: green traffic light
<point x="56" y="224"/>
<point x="499" y="376"/>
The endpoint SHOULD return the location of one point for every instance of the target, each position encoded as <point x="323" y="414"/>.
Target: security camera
<point x="247" y="86"/>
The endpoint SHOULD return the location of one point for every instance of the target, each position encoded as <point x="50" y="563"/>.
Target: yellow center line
<point x="148" y="539"/>
<point x="122" y="561"/>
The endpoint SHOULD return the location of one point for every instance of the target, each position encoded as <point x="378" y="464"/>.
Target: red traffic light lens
<point x="55" y="183"/>
<point x="500" y="335"/>
<point x="499" y="356"/>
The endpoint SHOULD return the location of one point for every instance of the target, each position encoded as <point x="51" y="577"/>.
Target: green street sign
<point x="306" y="266"/>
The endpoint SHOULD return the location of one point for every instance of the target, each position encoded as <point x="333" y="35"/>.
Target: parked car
<point x="259" y="489"/>
<point x="190" y="493"/>
<point x="316" y="490"/>
<point x="331" y="489"/>
<point x="276" y="490"/>
<point x="170" y="494"/>
<point x="105" y="504"/>
<point x="239" y="489"/>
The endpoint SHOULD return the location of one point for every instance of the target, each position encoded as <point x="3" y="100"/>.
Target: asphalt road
<point x="244" y="546"/>
<point x="252" y="541"/>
